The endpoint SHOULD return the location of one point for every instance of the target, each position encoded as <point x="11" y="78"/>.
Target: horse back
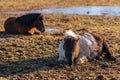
<point x="9" y="25"/>
<point x="10" y="20"/>
<point x="27" y="19"/>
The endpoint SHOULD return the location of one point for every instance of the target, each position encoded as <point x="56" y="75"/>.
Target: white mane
<point x="70" y="33"/>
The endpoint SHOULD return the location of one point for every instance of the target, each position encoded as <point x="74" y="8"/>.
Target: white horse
<point x="83" y="47"/>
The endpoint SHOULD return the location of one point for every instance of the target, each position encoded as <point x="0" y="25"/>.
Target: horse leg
<point x="34" y="30"/>
<point x="37" y="31"/>
<point x="107" y="52"/>
<point x="31" y="31"/>
<point x="99" y="39"/>
<point x="82" y="59"/>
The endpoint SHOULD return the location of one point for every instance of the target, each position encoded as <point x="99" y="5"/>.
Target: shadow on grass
<point x="3" y="34"/>
<point x="26" y="66"/>
<point x="49" y="63"/>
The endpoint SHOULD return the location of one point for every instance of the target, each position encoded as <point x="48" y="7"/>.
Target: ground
<point x="34" y="57"/>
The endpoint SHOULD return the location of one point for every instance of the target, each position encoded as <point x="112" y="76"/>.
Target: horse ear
<point x="41" y="17"/>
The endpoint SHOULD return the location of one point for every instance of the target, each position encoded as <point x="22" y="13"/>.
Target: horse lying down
<point x="83" y="47"/>
<point x="25" y="24"/>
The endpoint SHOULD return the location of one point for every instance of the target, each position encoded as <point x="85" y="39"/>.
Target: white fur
<point x="87" y="43"/>
<point x="61" y="51"/>
<point x="70" y="33"/>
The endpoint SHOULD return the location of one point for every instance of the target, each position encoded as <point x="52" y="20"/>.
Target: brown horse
<point x="83" y="47"/>
<point x="26" y="24"/>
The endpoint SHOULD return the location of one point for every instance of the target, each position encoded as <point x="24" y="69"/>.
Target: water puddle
<point x="83" y="10"/>
<point x="52" y="30"/>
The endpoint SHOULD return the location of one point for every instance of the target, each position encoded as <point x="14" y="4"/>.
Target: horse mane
<point x="28" y="18"/>
<point x="70" y="33"/>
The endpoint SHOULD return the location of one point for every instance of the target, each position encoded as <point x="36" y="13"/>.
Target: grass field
<point x="25" y="57"/>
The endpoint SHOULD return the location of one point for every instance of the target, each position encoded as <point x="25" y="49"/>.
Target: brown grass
<point x="35" y="57"/>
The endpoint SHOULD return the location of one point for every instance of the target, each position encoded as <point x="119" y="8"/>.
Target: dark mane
<point x="28" y="18"/>
<point x="69" y="40"/>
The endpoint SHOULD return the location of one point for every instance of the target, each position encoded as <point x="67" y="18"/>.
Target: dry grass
<point x="35" y="57"/>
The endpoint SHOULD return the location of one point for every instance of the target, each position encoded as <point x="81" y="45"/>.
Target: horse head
<point x="39" y="23"/>
<point x="71" y="48"/>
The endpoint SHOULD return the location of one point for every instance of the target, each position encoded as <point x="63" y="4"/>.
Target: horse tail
<point x="108" y="53"/>
<point x="106" y="50"/>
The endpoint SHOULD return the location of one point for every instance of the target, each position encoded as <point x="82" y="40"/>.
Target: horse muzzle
<point x="43" y="30"/>
<point x="69" y="62"/>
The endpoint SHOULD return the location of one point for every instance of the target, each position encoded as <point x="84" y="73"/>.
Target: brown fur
<point x="76" y="50"/>
<point x="102" y="46"/>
